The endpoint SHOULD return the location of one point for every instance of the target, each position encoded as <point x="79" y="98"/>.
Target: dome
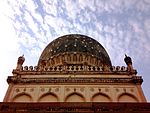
<point x="74" y="49"/>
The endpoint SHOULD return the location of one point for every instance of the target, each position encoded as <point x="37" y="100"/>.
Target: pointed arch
<point x="23" y="97"/>
<point x="48" y="97"/>
<point x="100" y="97"/>
<point x="75" y="97"/>
<point x="126" y="97"/>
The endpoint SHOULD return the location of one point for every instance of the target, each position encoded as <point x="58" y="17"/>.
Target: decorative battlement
<point x="73" y="69"/>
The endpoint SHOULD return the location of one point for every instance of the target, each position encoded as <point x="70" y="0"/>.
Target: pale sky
<point x="121" y="26"/>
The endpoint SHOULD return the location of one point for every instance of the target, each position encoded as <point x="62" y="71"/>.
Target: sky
<point x="121" y="26"/>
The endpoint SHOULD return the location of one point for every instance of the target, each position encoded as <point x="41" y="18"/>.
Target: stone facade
<point x="74" y="86"/>
<point x="73" y="72"/>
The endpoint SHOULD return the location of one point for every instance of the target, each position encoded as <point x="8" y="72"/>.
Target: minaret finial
<point x="20" y="62"/>
<point x="128" y="61"/>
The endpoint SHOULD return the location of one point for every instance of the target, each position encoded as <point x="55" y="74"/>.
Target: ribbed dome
<point x="73" y="44"/>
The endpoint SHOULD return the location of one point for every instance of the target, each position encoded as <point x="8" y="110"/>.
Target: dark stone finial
<point x="128" y="60"/>
<point x="20" y="62"/>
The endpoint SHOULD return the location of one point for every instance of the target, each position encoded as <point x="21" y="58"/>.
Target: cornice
<point x="74" y="107"/>
<point x="75" y="80"/>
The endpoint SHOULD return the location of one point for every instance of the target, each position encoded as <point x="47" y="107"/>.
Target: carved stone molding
<point x="74" y="80"/>
<point x="74" y="107"/>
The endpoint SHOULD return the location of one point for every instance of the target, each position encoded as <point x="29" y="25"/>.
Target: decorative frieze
<point x="75" y="80"/>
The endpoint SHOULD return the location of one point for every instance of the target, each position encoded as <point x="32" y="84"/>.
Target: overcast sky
<point x="121" y="26"/>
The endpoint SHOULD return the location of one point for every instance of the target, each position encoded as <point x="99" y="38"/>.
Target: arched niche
<point x="69" y="58"/>
<point x="49" y="97"/>
<point x="22" y="98"/>
<point x="80" y="58"/>
<point x="74" y="58"/>
<point x="75" y="97"/>
<point x="99" y="97"/>
<point x="127" y="98"/>
<point x="57" y="60"/>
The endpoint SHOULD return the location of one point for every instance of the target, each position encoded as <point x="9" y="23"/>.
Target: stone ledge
<point x="74" y="80"/>
<point x="74" y="107"/>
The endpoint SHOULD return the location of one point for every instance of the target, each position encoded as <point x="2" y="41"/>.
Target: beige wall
<point x="75" y="93"/>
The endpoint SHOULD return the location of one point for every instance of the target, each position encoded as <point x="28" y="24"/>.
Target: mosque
<point x="74" y="74"/>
